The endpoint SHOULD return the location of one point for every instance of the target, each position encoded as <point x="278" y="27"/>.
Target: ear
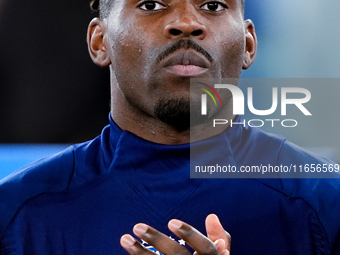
<point x="97" y="44"/>
<point x="251" y="44"/>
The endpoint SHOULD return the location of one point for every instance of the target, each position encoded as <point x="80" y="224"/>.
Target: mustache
<point x="184" y="44"/>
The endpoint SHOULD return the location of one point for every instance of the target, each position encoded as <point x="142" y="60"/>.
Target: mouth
<point x="187" y="63"/>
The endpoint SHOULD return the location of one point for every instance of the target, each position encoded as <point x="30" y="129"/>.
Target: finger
<point x="220" y="245"/>
<point x="216" y="231"/>
<point x="200" y="243"/>
<point x="225" y="252"/>
<point x="133" y="247"/>
<point x="159" y="241"/>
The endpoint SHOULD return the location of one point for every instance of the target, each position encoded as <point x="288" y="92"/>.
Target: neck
<point x="154" y="130"/>
<point x="138" y="122"/>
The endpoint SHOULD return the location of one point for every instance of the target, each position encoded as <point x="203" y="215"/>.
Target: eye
<point x="151" y="6"/>
<point x="214" y="6"/>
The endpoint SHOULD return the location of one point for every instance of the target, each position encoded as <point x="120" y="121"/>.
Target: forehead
<point x="106" y="7"/>
<point x="96" y="3"/>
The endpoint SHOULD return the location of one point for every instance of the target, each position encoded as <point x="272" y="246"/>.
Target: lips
<point x="186" y="63"/>
<point x="186" y="57"/>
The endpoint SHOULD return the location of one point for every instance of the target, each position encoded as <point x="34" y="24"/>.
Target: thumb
<point x="216" y="231"/>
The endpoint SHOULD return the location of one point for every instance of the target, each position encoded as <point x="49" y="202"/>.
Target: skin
<point x="217" y="240"/>
<point x="131" y="41"/>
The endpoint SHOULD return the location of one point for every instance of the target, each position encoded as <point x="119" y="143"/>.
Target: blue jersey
<point x="82" y="200"/>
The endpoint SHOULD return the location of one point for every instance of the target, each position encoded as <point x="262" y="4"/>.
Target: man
<point x="85" y="199"/>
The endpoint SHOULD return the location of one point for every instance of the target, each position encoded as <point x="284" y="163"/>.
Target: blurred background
<point x="52" y="95"/>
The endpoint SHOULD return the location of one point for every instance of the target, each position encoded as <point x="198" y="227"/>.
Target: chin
<point x="179" y="113"/>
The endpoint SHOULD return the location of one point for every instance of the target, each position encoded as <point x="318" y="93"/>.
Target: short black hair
<point x="104" y="7"/>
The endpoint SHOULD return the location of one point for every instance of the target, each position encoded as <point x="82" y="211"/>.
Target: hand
<point x="217" y="242"/>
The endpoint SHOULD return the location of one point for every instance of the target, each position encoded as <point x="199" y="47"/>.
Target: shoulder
<point x="267" y="147"/>
<point x="52" y="174"/>
<point x="316" y="182"/>
<point x="61" y="172"/>
<point x="319" y="187"/>
<point x="308" y="175"/>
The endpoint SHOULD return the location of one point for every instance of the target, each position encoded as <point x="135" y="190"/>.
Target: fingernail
<point x="225" y="252"/>
<point x="216" y="217"/>
<point x="127" y="241"/>
<point x="140" y="229"/>
<point x="175" y="224"/>
<point x="216" y="242"/>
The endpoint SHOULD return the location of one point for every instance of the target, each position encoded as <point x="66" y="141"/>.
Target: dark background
<point x="50" y="91"/>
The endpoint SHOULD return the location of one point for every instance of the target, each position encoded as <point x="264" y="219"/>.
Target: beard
<point x="180" y="114"/>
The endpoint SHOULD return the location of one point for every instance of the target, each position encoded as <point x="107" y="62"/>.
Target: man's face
<point x="155" y="48"/>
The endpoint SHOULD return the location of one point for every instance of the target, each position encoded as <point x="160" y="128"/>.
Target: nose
<point x="185" y="24"/>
